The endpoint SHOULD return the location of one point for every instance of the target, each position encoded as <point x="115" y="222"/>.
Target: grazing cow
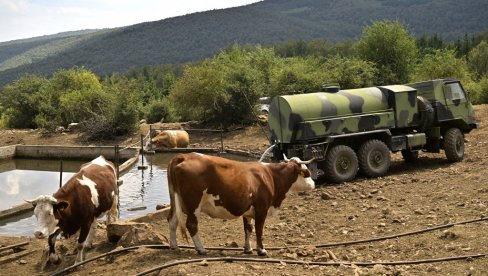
<point x="229" y="189"/>
<point x="171" y="139"/>
<point x="89" y="194"/>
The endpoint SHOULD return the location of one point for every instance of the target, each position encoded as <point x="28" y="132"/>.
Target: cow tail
<point x="175" y="199"/>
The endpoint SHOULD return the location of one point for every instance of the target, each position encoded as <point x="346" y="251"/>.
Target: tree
<point x="18" y="101"/>
<point x="218" y="91"/>
<point x="478" y="60"/>
<point x="441" y="64"/>
<point x="389" y="45"/>
<point x="69" y="96"/>
<point x="349" y="72"/>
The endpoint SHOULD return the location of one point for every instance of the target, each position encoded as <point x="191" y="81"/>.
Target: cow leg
<point x="173" y="224"/>
<point x="192" y="226"/>
<point x="259" y="225"/>
<point x="53" y="257"/>
<point x="113" y="214"/>
<point x="91" y="234"/>
<point x="247" y="233"/>
<point x="84" y="231"/>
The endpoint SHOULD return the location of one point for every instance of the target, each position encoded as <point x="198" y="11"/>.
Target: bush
<point x="159" y="111"/>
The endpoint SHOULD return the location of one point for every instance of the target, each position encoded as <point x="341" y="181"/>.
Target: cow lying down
<point x="229" y="189"/>
<point x="90" y="193"/>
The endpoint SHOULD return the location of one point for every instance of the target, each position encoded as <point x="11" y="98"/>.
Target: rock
<point x="326" y="196"/>
<point x="22" y="261"/>
<point x="448" y="235"/>
<point x="332" y="256"/>
<point x="143" y="121"/>
<point x="232" y="244"/>
<point x="203" y="263"/>
<point x="379" y="269"/>
<point x="140" y="233"/>
<point x="73" y="127"/>
<point x="162" y="206"/>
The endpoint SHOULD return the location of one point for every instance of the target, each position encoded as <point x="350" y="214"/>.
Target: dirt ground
<point x="426" y="194"/>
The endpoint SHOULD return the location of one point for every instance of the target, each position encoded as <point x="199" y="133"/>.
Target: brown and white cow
<point x="229" y="189"/>
<point x="170" y="139"/>
<point x="90" y="193"/>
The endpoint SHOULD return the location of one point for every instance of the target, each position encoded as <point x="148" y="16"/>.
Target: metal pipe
<point x="61" y="174"/>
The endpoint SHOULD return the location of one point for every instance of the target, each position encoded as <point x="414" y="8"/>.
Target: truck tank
<point x="300" y="117"/>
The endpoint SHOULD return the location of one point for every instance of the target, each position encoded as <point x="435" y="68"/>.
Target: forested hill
<point x="194" y="36"/>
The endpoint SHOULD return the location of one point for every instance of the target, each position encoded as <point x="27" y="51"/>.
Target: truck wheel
<point x="454" y="145"/>
<point x="341" y="164"/>
<point x="410" y="156"/>
<point x="374" y="158"/>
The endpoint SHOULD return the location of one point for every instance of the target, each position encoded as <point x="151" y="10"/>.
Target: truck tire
<point x="374" y="158"/>
<point x="341" y="164"/>
<point x="454" y="145"/>
<point x="426" y="112"/>
<point x="410" y="156"/>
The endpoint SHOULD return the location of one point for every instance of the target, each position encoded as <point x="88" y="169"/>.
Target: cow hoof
<point x="262" y="252"/>
<point x="202" y="252"/>
<point x="54" y="259"/>
<point x="247" y="250"/>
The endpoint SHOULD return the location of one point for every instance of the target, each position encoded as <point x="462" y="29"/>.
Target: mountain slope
<point x="195" y="36"/>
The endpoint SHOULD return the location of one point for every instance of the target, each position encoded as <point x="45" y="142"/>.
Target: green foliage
<point x="479" y="91"/>
<point x="298" y="75"/>
<point x="441" y="64"/>
<point x="390" y="46"/>
<point x="160" y="111"/>
<point x="349" y="72"/>
<point x="217" y="91"/>
<point x="478" y="60"/>
<point x="68" y="97"/>
<point x="18" y="103"/>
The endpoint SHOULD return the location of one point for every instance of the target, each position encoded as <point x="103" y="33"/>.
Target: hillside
<point x="195" y="36"/>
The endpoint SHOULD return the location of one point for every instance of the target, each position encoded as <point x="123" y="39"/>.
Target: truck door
<point x="456" y="101"/>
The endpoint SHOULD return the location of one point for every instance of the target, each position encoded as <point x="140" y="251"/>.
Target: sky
<point x="30" y="18"/>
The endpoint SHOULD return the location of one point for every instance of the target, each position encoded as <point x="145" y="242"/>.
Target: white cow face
<point x="304" y="181"/>
<point x="44" y="211"/>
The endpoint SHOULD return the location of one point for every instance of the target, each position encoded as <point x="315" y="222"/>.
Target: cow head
<point x="47" y="210"/>
<point x="161" y="140"/>
<point x="304" y="180"/>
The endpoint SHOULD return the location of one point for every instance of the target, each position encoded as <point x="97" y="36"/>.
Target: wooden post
<point x="221" y="140"/>
<point x="142" y="167"/>
<point x="61" y="174"/>
<point x="117" y="160"/>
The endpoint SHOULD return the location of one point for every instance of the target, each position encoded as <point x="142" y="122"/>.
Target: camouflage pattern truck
<point x="347" y="131"/>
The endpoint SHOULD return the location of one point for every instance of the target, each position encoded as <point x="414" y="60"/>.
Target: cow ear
<point x="305" y="173"/>
<point x="61" y="205"/>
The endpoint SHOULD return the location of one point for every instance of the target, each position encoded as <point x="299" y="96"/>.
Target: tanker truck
<point x="351" y="131"/>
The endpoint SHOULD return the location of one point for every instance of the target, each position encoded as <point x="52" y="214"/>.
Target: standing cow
<point x="89" y="194"/>
<point x="170" y="139"/>
<point x="229" y="189"/>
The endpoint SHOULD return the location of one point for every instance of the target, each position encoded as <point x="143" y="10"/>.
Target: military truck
<point x="347" y="131"/>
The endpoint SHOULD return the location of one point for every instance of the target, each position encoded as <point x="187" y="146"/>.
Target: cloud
<point x="13" y="184"/>
<point x="14" y="5"/>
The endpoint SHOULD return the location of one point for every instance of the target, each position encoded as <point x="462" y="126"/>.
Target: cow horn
<point x="307" y="162"/>
<point x="33" y="201"/>
<point x="285" y="158"/>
